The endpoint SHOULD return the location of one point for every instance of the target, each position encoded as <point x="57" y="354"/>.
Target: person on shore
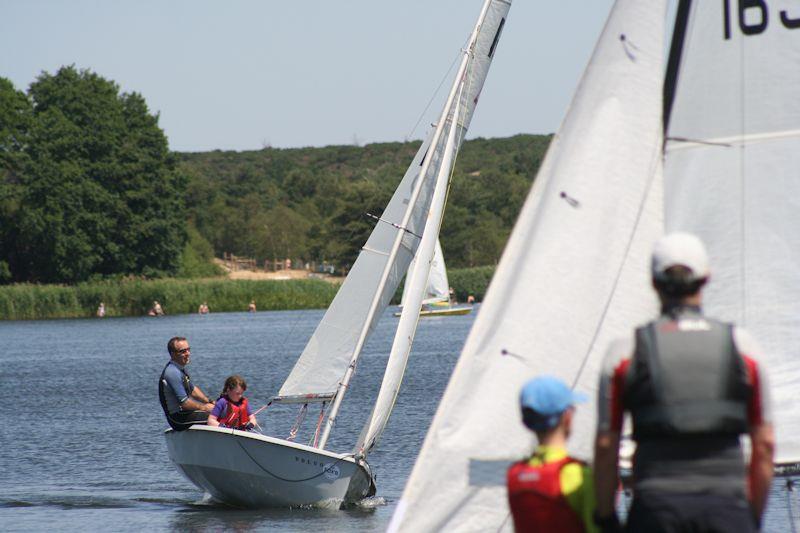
<point x="203" y="309"/>
<point x="470" y="299"/>
<point x="692" y="386"/>
<point x="232" y="409"/>
<point x="550" y="491"/>
<point x="156" y="310"/>
<point x="251" y="307"/>
<point x="101" y="310"/>
<point x="184" y="404"/>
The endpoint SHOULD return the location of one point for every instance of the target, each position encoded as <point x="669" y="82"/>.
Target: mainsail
<point x="731" y="175"/>
<point x="573" y="276"/>
<point x="329" y="358"/>
<point x="472" y="73"/>
<point x="327" y="354"/>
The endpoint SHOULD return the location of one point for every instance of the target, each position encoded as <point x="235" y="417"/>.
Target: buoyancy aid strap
<point x="646" y="335"/>
<point x="162" y="384"/>
<point x="554" y="468"/>
<point x="719" y="409"/>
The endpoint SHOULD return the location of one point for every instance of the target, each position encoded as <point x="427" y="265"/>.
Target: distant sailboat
<point x="437" y="300"/>
<point x="253" y="470"/>
<point x="726" y="170"/>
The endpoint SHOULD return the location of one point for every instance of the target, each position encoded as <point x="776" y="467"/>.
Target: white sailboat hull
<point x="246" y="469"/>
<point x="444" y="311"/>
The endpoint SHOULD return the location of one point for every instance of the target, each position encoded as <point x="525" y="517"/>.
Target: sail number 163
<point x="753" y="17"/>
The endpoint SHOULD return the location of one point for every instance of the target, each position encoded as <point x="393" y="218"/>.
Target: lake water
<point x="82" y="444"/>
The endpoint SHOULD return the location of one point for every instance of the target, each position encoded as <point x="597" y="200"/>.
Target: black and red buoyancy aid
<point x="537" y="502"/>
<point x="686" y="378"/>
<point x="235" y="415"/>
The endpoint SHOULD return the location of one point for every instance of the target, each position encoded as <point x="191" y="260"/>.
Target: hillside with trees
<point x="311" y="204"/>
<point x="89" y="190"/>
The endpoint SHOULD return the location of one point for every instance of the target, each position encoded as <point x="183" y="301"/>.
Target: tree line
<point x="312" y="203"/>
<point x="89" y="190"/>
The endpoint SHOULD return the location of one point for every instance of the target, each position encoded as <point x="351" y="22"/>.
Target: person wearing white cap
<point x="692" y="386"/>
<point x="550" y="491"/>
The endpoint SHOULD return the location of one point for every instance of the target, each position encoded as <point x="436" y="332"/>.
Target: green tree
<point x="198" y="257"/>
<point x="100" y="192"/>
<point x="16" y="114"/>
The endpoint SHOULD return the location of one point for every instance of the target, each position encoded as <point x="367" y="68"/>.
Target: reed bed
<point x="176" y="296"/>
<point x="179" y="296"/>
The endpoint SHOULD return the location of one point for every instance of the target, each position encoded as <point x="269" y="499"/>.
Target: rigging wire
<point x="315" y="438"/>
<point x="282" y="344"/>
<point x="645" y="194"/>
<point x="433" y="96"/>
<point x="300" y="417"/>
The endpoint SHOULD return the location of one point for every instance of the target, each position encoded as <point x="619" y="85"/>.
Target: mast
<point x="417" y="281"/>
<point x="337" y="401"/>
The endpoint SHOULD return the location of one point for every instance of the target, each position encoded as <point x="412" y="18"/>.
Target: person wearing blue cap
<point x="550" y="491"/>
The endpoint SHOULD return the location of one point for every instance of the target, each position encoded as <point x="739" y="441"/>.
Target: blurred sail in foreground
<point x="573" y="276"/>
<point x="731" y="176"/>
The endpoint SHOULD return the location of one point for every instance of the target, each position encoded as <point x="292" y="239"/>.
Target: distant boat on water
<point x="438" y="299"/>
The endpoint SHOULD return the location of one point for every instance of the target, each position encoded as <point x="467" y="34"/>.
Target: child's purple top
<point x="221" y="407"/>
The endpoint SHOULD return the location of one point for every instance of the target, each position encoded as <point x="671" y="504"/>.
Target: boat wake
<point x="371" y="503"/>
<point x="66" y="502"/>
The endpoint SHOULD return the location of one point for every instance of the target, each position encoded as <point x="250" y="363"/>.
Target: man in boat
<point x="550" y="491"/>
<point x="692" y="386"/>
<point x="183" y="402"/>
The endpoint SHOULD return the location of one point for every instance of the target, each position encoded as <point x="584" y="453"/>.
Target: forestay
<point x="469" y="81"/>
<point x="731" y="175"/>
<point x="573" y="276"/>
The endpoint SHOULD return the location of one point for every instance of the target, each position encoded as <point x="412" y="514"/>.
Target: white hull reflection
<point x="246" y="469"/>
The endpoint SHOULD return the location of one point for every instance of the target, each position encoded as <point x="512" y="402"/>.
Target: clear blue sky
<point x="239" y="75"/>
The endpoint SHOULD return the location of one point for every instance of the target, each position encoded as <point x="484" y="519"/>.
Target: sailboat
<point x="611" y="182"/>
<point x="437" y="300"/>
<point x="253" y="470"/>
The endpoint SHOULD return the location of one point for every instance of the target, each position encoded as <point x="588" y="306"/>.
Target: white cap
<point x="680" y="249"/>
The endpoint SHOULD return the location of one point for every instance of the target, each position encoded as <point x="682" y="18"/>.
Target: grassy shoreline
<point x="176" y="296"/>
<point x="180" y="296"/>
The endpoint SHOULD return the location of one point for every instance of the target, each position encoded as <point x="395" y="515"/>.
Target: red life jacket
<point x="235" y="415"/>
<point x="537" y="502"/>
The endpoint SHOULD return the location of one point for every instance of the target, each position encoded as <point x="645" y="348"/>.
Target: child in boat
<point x="231" y="409"/>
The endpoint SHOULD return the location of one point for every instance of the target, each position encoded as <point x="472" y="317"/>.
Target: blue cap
<point x="548" y="397"/>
